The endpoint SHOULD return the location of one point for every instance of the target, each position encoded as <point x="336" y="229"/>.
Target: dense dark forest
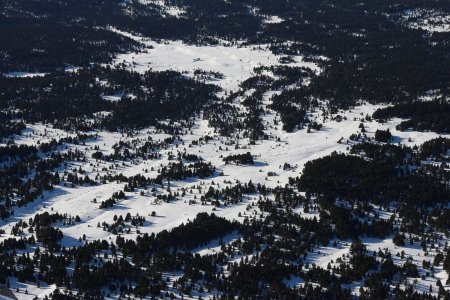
<point x="361" y="40"/>
<point x="67" y="99"/>
<point x="423" y="116"/>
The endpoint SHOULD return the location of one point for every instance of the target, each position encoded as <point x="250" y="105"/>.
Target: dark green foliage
<point x="74" y="97"/>
<point x="354" y="178"/>
<point x="399" y="240"/>
<point x="437" y="148"/>
<point x="423" y="116"/>
<point x="383" y="136"/>
<point x="240" y="159"/>
<point x="359" y="260"/>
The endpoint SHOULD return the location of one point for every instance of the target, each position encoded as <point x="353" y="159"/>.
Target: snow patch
<point x="235" y="62"/>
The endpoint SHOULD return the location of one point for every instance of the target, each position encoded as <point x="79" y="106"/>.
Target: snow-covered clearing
<point x="23" y="74"/>
<point x="166" y="9"/>
<point x="428" y="20"/>
<point x="270" y="155"/>
<point x="235" y="62"/>
<point x="273" y="20"/>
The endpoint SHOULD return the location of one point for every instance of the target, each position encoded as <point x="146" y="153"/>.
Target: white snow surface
<point x="23" y="74"/>
<point x="166" y="9"/>
<point x="428" y="20"/>
<point x="235" y="62"/>
<point x="295" y="148"/>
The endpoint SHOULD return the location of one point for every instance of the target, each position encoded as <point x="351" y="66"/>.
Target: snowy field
<point x="23" y="74"/>
<point x="428" y="20"/>
<point x="295" y="148"/>
<point x="236" y="63"/>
